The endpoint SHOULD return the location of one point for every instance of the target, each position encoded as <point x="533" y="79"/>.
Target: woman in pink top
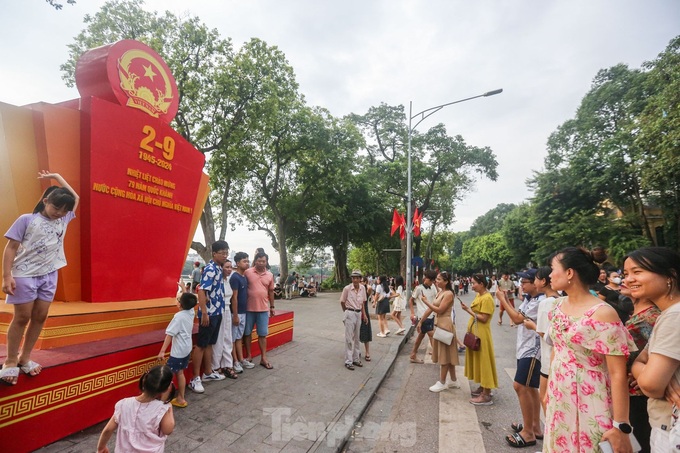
<point x="145" y="421"/>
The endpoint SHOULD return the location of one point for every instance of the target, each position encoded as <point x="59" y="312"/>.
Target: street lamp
<point x="409" y="216"/>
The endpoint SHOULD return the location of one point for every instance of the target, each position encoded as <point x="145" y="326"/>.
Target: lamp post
<point x="409" y="210"/>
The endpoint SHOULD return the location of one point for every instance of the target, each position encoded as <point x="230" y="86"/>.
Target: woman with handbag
<point x="444" y="347"/>
<point x="480" y="364"/>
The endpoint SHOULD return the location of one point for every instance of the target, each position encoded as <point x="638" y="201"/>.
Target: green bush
<point x="329" y="284"/>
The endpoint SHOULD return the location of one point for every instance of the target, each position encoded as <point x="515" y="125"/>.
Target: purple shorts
<point x="30" y="289"/>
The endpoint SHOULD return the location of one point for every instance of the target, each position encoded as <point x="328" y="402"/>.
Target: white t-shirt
<point x="543" y="326"/>
<point x="429" y="293"/>
<point x="494" y="286"/>
<point x="180" y="330"/>
<point x="665" y="340"/>
<point x="228" y="292"/>
<point x="380" y="293"/>
<point x="528" y="341"/>
<point x="42" y="244"/>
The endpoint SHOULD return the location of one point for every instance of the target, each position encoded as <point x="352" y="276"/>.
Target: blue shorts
<point x="427" y="326"/>
<point x="208" y="335"/>
<point x="528" y="372"/>
<point x="237" y="331"/>
<point x="259" y="318"/>
<point x="30" y="289"/>
<point x="177" y="365"/>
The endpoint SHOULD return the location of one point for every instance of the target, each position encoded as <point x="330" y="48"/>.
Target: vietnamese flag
<point x="402" y="227"/>
<point x="417" y="220"/>
<point x="396" y="221"/>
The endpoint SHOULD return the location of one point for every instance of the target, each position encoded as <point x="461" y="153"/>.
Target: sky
<point x="353" y="54"/>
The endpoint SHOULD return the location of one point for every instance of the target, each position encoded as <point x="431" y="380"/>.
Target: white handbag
<point x="443" y="336"/>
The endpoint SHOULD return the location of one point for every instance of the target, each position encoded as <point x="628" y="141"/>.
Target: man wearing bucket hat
<point x="352" y="303"/>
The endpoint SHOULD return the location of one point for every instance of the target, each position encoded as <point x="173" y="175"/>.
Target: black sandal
<point x="230" y="373"/>
<point x="349" y="366"/>
<point x="517" y="441"/>
<point x="518" y="427"/>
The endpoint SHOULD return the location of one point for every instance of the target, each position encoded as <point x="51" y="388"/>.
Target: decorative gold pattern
<point x="16" y="408"/>
<point x="103" y="326"/>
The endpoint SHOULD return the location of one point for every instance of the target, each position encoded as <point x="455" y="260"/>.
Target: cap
<point x="529" y="274"/>
<point x="356" y="273"/>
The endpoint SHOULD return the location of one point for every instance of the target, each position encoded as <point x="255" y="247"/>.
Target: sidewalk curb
<point x="341" y="429"/>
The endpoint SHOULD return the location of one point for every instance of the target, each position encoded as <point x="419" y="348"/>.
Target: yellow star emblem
<point x="148" y="72"/>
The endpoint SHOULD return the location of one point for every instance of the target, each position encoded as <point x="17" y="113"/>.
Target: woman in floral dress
<point x="588" y="386"/>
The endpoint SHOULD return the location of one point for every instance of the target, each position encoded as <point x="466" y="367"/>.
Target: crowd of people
<point x="234" y="299"/>
<point x="295" y="284"/>
<point x="598" y="346"/>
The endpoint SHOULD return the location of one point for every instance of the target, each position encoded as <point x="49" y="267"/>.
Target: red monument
<point x="142" y="189"/>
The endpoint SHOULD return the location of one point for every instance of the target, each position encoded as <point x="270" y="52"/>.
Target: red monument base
<point x="80" y="384"/>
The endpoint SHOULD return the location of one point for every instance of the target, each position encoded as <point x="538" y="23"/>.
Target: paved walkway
<point x="309" y="402"/>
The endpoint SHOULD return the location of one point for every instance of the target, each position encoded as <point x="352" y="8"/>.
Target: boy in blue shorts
<point x="179" y="333"/>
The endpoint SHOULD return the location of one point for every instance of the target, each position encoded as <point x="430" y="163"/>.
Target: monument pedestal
<point x="80" y="383"/>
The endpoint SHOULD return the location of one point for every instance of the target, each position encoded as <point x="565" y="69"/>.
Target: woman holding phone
<point x="480" y="366"/>
<point x="446" y="355"/>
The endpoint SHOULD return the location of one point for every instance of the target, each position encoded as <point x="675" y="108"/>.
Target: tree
<point x="226" y="98"/>
<point x="492" y="221"/>
<point x="592" y="169"/>
<point x="442" y="166"/>
<point x="519" y="236"/>
<point x="58" y="5"/>
<point x="659" y="137"/>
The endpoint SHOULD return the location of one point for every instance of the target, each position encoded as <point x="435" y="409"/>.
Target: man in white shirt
<point x="352" y="304"/>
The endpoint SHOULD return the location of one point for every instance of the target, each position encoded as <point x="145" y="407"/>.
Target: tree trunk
<point x="208" y="228"/>
<point x="283" y="249"/>
<point x="340" y="272"/>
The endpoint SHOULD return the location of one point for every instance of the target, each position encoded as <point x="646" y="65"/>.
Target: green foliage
<point x="485" y="253"/>
<point x="520" y="238"/>
<point x="443" y="167"/>
<point x="659" y="137"/>
<point x="329" y="284"/>
<point x="492" y="220"/>
<point x="371" y="258"/>
<point x="58" y="5"/>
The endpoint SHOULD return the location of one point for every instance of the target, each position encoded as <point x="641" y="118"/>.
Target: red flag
<point x="402" y="228"/>
<point x="417" y="220"/>
<point x="396" y="222"/>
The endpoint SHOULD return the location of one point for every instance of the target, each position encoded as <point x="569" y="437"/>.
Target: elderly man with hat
<point x="352" y="303"/>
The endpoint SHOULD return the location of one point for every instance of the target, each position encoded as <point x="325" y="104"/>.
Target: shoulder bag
<point x="443" y="336"/>
<point x="471" y="340"/>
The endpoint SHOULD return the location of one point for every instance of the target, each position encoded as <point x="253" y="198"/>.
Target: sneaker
<point x="380" y="334"/>
<point x="400" y="331"/>
<point x="238" y="368"/>
<point x="196" y="385"/>
<point x="387" y="333"/>
<point x="214" y="376"/>
<point x="482" y="400"/>
<point x="438" y="387"/>
<point x="247" y="364"/>
<point x="452" y="384"/>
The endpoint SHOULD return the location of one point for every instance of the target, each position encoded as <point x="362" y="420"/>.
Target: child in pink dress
<point x="145" y="421"/>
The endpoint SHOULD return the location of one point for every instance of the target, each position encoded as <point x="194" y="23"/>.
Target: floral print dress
<point x="579" y="398"/>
